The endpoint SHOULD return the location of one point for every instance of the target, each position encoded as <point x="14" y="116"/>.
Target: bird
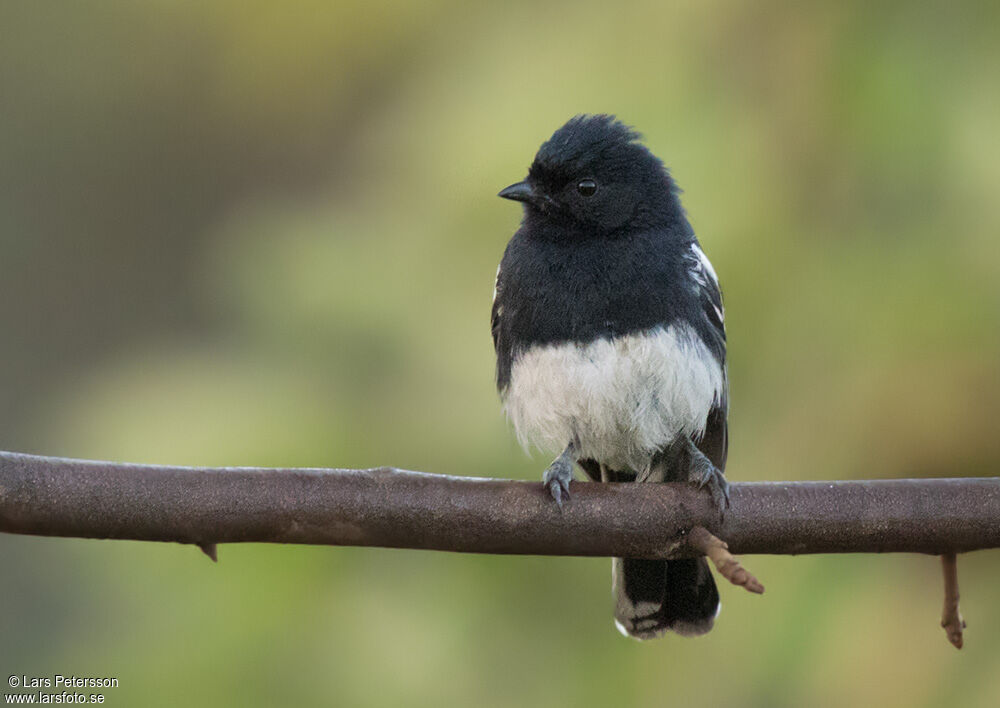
<point x="609" y="331"/>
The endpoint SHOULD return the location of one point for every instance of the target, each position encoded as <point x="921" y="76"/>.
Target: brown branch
<point x="388" y="507"/>
<point x="951" y="618"/>
<point x="725" y="562"/>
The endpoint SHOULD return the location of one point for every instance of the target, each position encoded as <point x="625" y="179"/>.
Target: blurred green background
<point x="254" y="233"/>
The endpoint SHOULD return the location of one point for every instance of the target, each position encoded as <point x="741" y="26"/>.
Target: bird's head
<point x="594" y="178"/>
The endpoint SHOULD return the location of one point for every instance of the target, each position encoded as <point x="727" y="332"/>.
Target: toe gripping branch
<point x="559" y="474"/>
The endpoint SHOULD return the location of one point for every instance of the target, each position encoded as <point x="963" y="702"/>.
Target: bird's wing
<point x="706" y="285"/>
<point x="715" y="441"/>
<point x="496" y="312"/>
<point x="501" y="342"/>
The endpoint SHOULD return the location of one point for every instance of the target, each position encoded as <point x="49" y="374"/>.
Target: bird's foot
<point x="705" y="474"/>
<point x="557" y="477"/>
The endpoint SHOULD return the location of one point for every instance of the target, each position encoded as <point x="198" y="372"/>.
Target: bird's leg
<point x="702" y="471"/>
<point x="665" y="465"/>
<point x="559" y="474"/>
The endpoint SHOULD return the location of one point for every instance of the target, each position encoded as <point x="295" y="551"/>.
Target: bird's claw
<point x="708" y="475"/>
<point x="556" y="479"/>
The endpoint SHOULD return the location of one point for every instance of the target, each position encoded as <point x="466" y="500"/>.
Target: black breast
<point x="550" y="291"/>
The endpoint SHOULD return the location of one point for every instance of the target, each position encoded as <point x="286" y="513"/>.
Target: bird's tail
<point x="653" y="596"/>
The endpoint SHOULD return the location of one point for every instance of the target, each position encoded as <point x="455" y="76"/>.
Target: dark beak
<point x="520" y="192"/>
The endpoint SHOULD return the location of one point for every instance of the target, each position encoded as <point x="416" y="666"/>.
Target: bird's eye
<point x="586" y="187"/>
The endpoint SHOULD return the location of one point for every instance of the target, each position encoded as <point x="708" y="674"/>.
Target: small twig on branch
<point x="951" y="618"/>
<point x="725" y="562"/>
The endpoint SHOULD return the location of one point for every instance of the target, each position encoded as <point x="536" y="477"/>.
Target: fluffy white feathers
<point x="619" y="399"/>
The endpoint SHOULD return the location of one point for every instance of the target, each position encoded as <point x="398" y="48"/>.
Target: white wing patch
<point x="704" y="275"/>
<point x="496" y="282"/>
<point x="704" y="267"/>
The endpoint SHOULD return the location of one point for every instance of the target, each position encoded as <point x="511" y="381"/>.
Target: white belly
<point x="619" y="399"/>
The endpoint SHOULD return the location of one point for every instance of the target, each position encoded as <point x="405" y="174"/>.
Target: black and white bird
<point x="611" y="349"/>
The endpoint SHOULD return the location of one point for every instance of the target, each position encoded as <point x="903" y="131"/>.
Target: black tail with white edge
<point x="653" y="596"/>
